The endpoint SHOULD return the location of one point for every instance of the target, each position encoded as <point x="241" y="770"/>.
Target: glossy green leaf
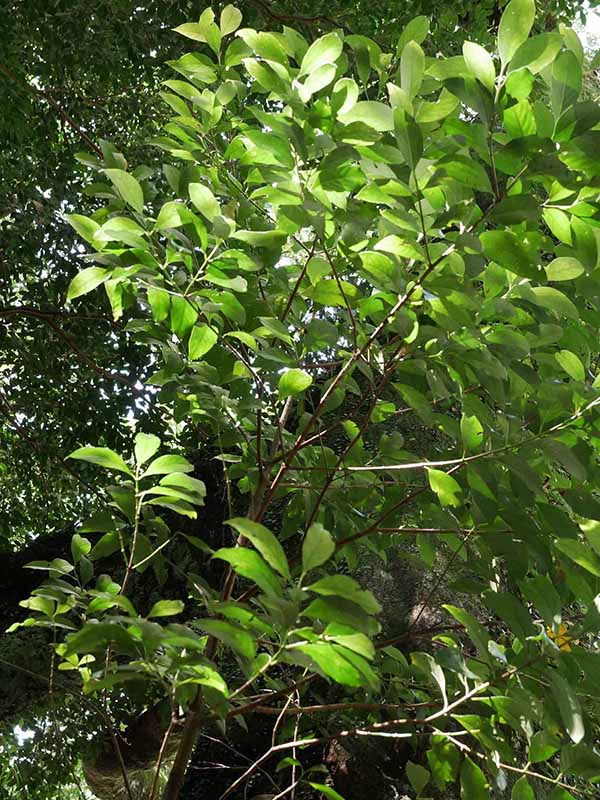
<point x="146" y="445"/>
<point x="317" y="547"/>
<point x="164" y="465"/>
<point x="543" y="745"/>
<point x="522" y="790"/>
<point x="480" y="64"/>
<point x="202" y="340"/>
<point x="232" y="635"/>
<point x="563" y="269"/>
<point x="326" y="791"/>
<point x="412" y="68"/>
<point x="326" y="49"/>
<point x="473" y="785"/>
<point x="249" y="564"/>
<point x="515" y="25"/>
<point x="345" y="586"/>
<point x="166" y="608"/>
<point x="86" y="281"/>
<point x="293" y="382"/>
<point x="416" y="31"/>
<point x="506" y="249"/>
<point x="579" y="553"/>
<point x="103" y="457"/>
<point x="128" y="187"/>
<point x="265" y="542"/>
<point x="570" y="708"/>
<point x="418" y="776"/>
<point x="471" y="431"/>
<point x="445" y="486"/>
<point x="204" y="200"/>
<point x="230" y="19"/>
<point x="571" y="364"/>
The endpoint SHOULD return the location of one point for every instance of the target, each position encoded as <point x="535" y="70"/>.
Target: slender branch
<point x="299" y="280"/>
<point x="56" y="105"/>
<point x="266" y="9"/>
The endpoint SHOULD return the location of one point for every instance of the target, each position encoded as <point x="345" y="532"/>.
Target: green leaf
<point x="416" y="31"/>
<point x="515" y="25"/>
<point x="537" y="52"/>
<point x="128" y="187"/>
<point x="571" y="364"/>
<point x="192" y="487"/>
<point x="105" y="546"/>
<point x="87" y="280"/>
<point x="160" y="303"/>
<point x="293" y="382"/>
<point x="146" y="445"/>
<point x="272" y="238"/>
<point x="326" y="49"/>
<point x="166" y="608"/>
<point x="471" y="431"/>
<point x="376" y="115"/>
<point x="330" y="659"/>
<point x="317" y="547"/>
<point x="191" y="30"/>
<point x="541" y="592"/>
<point x="566" y="82"/>
<point x="579" y="553"/>
<point x="542" y="746"/>
<point x="522" y="790"/>
<point x="569" y="706"/>
<point x="564" y="269"/>
<point x="164" y="465"/>
<point x="477" y="633"/>
<point x="264" y="541"/>
<point x="204" y="200"/>
<point x="412" y="68"/>
<point x="183" y="315"/>
<point x="249" y="564"/>
<point x="418" y="776"/>
<point x="580" y="760"/>
<point x="345" y="586"/>
<point x="232" y="635"/>
<point x="445" y="486"/>
<point x="506" y="249"/>
<point x="480" y="64"/>
<point x="202" y="339"/>
<point x="85" y="227"/>
<point x="171" y="215"/>
<point x="230" y="20"/>
<point x="583" y="503"/>
<point x="174" y="504"/>
<point x="473" y="785"/>
<point x="552" y="299"/>
<point x="443" y="760"/>
<point x="79" y="547"/>
<point x="560" y="794"/>
<point x="512" y="611"/>
<point x="468" y="172"/>
<point x="317" y="80"/>
<point x="103" y="457"/>
<point x="326" y="790"/>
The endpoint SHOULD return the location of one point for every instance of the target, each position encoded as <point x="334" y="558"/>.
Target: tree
<point x="105" y="86"/>
<point x="340" y="237"/>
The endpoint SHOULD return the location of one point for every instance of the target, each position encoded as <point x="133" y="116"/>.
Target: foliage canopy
<point x="341" y="236"/>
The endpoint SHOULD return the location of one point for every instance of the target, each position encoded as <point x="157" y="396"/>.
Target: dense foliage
<point x="72" y="75"/>
<point x="341" y="237"/>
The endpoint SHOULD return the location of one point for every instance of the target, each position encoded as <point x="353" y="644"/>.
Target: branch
<point x="56" y="105"/>
<point x="264" y="8"/>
